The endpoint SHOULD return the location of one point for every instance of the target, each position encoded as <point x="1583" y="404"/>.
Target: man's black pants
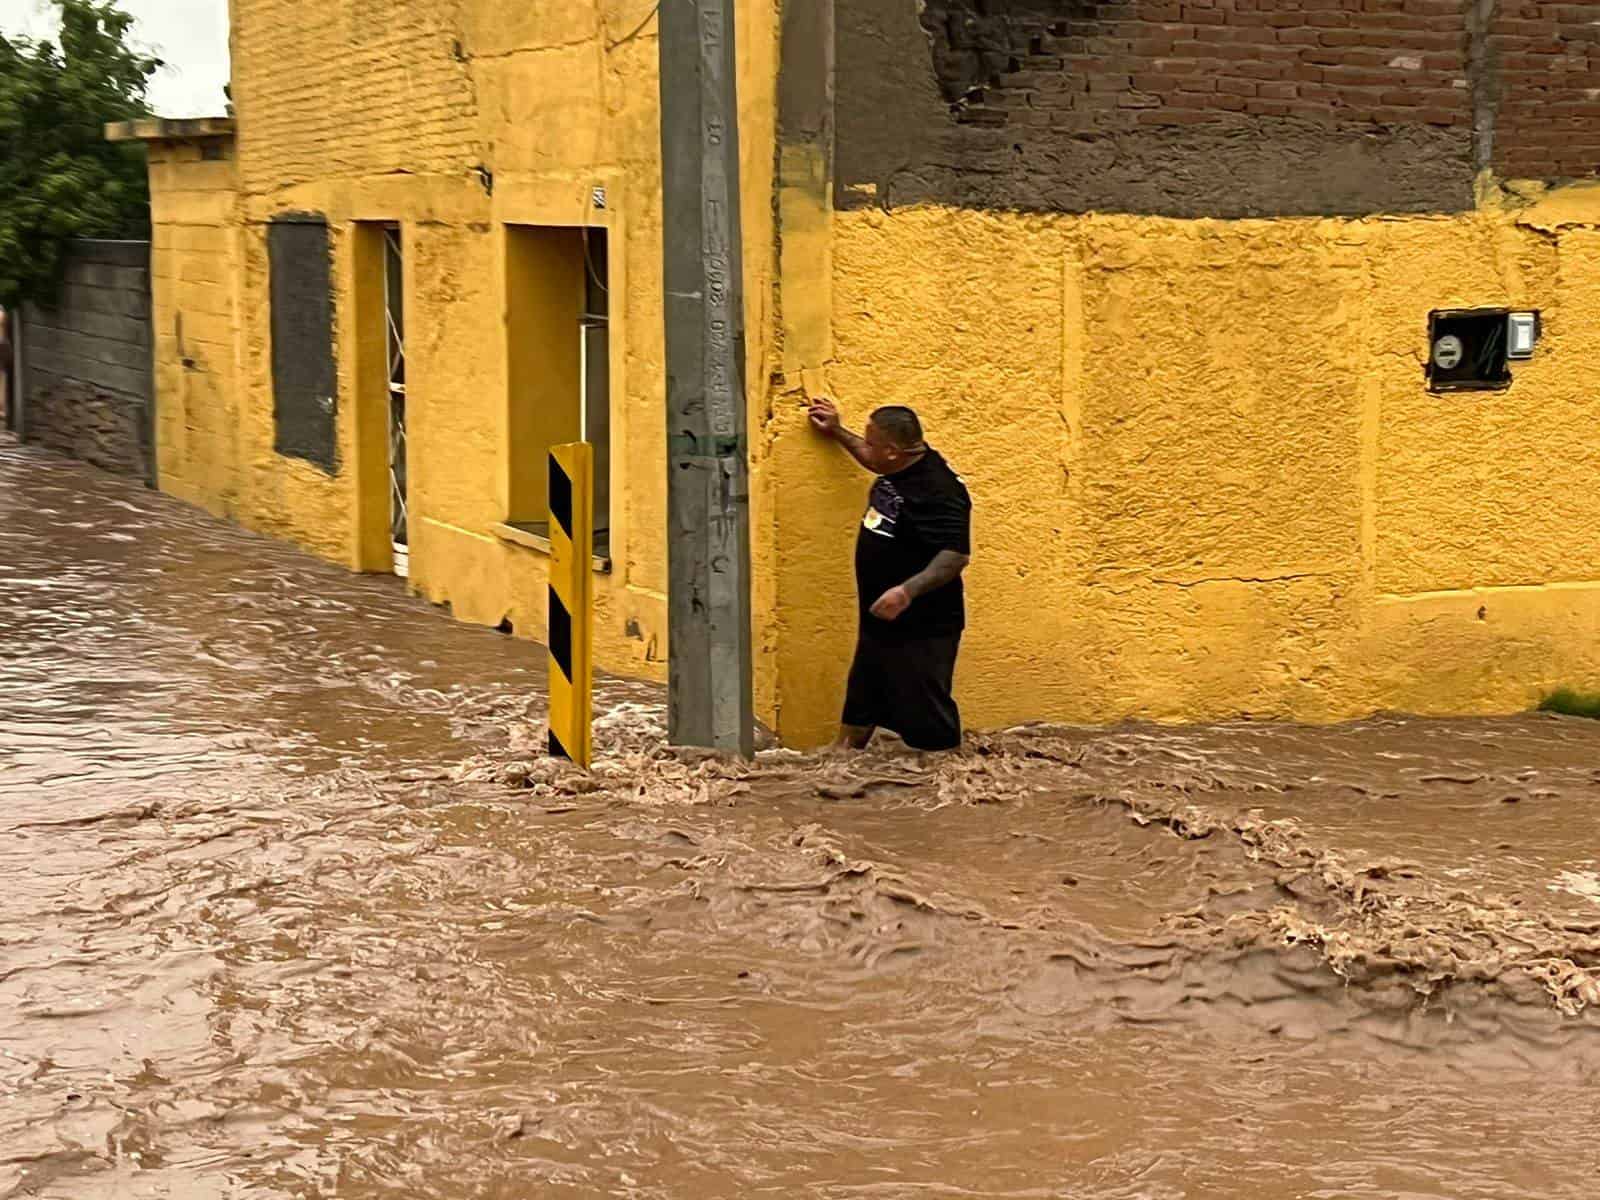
<point x="904" y="686"/>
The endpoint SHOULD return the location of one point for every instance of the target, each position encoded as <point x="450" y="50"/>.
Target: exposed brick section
<point x="1096" y="67"/>
<point x="1179" y="107"/>
<point x="1212" y="107"/>
<point x="1544" y="63"/>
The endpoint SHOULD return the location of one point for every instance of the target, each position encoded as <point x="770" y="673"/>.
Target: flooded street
<point x="292" y="908"/>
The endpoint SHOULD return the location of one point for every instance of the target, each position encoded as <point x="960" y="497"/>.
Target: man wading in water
<point x="914" y="542"/>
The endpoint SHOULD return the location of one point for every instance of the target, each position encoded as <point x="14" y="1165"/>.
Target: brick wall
<point x="1086" y="67"/>
<point x="1175" y="107"/>
<point x="1545" y="105"/>
<point x="1211" y="107"/>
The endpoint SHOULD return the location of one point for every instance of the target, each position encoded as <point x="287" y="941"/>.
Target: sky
<point x="190" y="36"/>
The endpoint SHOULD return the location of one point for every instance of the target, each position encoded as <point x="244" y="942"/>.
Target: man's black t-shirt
<point x="911" y="516"/>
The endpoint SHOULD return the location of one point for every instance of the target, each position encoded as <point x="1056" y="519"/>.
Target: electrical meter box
<point x="1471" y="349"/>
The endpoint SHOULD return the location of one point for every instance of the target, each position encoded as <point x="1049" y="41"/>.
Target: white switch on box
<point x="1522" y="333"/>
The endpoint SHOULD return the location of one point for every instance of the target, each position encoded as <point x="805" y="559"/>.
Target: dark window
<point x="304" y="382"/>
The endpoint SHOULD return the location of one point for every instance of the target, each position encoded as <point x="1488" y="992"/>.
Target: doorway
<point x="395" y="323"/>
<point x="558" y="347"/>
<point x="594" y="407"/>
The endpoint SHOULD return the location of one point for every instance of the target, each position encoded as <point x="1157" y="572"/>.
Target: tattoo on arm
<point x="946" y="565"/>
<point x="854" y="443"/>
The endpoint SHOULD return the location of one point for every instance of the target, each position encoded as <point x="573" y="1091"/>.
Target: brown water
<point x="290" y="909"/>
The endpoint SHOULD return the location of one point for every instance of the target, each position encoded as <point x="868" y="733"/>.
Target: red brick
<point x="1400" y="62"/>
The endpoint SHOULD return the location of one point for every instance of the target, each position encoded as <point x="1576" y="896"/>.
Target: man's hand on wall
<point x="824" y="417"/>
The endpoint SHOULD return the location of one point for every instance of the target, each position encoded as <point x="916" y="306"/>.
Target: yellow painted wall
<point x="346" y="89"/>
<point x="214" y="428"/>
<point x="457" y="118"/>
<point x="1208" y="477"/>
<point x="194" y="278"/>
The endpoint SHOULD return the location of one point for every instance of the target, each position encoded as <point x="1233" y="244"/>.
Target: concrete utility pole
<point x="708" y="490"/>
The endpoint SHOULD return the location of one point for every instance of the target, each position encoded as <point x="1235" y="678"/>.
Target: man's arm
<point x="825" y="420"/>
<point x="946" y="566"/>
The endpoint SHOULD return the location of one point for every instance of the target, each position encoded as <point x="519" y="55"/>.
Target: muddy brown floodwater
<point x="290" y="908"/>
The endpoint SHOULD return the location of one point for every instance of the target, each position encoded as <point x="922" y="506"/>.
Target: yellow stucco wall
<point x="194" y="278"/>
<point x="456" y="118"/>
<point x="1208" y="477"/>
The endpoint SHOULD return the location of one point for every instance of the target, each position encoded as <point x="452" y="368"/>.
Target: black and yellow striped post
<point x="571" y="623"/>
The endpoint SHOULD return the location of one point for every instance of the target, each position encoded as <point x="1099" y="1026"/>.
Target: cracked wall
<point x="1209" y="479"/>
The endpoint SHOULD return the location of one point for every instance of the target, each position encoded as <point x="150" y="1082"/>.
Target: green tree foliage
<point x="59" y="177"/>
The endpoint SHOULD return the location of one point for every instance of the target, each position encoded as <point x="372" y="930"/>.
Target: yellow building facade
<point x="497" y="143"/>
<point x="1210" y="475"/>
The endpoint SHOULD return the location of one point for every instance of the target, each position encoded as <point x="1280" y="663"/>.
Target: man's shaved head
<point x="900" y="425"/>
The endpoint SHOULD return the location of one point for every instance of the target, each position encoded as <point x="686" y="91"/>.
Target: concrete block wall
<point x="86" y="360"/>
